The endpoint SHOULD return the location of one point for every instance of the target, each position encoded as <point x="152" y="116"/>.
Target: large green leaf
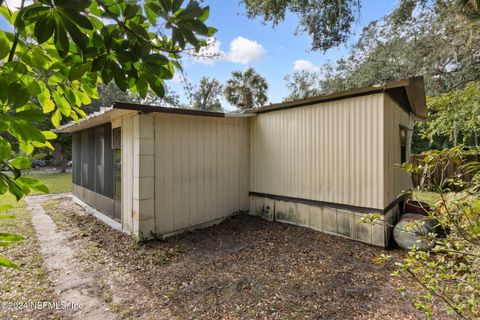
<point x="4" y="45"/>
<point x="7" y="263"/>
<point x="33" y="184"/>
<point x="5" y="149"/>
<point x="44" y="29"/>
<point x="21" y="163"/>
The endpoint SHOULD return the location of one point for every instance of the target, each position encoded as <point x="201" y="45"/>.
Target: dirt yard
<point x="243" y="268"/>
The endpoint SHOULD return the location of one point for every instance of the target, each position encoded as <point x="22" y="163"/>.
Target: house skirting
<point x="95" y="200"/>
<point x="334" y="219"/>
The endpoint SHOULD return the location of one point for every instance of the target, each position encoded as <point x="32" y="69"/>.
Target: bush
<point x="447" y="276"/>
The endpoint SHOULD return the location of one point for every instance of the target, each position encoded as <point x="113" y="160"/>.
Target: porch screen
<point x="93" y="163"/>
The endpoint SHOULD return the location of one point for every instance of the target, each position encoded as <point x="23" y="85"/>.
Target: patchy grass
<point x="243" y="268"/>
<point x="426" y="196"/>
<point x="56" y="182"/>
<point x="30" y="282"/>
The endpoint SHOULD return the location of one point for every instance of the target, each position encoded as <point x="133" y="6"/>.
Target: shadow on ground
<point x="245" y="267"/>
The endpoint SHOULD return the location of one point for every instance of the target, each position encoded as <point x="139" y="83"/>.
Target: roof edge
<point x="414" y="87"/>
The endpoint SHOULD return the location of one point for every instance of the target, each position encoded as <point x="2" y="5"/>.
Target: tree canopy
<point x="59" y="50"/>
<point x="207" y="96"/>
<point x="246" y="89"/>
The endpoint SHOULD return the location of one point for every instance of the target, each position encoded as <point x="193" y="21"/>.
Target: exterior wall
<point x="201" y="170"/>
<point x="331" y="152"/>
<point x="340" y="222"/>
<point x="127" y="173"/>
<point x="395" y="179"/>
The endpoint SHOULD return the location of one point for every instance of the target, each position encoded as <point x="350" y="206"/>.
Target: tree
<point x="302" y="84"/>
<point x="432" y="41"/>
<point x="331" y="22"/>
<point x="246" y="90"/>
<point x="60" y="49"/>
<point x="328" y="22"/>
<point x="455" y="116"/>
<point x="207" y="95"/>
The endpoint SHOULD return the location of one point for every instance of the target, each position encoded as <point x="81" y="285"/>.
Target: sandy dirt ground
<point x="243" y="268"/>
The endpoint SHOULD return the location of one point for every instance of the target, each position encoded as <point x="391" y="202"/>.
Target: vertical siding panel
<point x="328" y="152"/>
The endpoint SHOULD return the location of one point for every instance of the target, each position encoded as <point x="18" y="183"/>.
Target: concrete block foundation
<point x="340" y="222"/>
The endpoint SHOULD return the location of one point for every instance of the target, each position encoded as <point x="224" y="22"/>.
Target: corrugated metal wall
<point x="396" y="180"/>
<point x="201" y="169"/>
<point x="329" y="152"/>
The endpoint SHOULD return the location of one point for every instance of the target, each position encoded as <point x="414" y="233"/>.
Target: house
<point x="322" y="162"/>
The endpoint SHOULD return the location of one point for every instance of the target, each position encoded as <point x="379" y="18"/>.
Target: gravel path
<point x="72" y="285"/>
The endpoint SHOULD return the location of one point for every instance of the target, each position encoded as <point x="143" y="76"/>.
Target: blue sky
<point x="281" y="47"/>
<point x="273" y="52"/>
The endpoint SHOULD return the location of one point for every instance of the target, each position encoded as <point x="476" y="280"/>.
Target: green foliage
<point x="60" y="50"/>
<point x="448" y="275"/>
<point x="331" y="22"/>
<point x="433" y="41"/>
<point x="454" y="115"/>
<point x="328" y="22"/>
<point x="246" y="90"/>
<point x="207" y="96"/>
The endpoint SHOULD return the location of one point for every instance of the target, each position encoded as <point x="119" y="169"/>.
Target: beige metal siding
<point x="330" y="152"/>
<point x="201" y="170"/>
<point x="396" y="180"/>
<point x="127" y="174"/>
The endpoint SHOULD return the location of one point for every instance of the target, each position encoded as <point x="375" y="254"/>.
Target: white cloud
<point x="244" y="51"/>
<point x="305" y="65"/>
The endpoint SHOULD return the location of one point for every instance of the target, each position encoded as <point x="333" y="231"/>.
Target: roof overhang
<point x="122" y="109"/>
<point x="409" y="93"/>
<point x="103" y="116"/>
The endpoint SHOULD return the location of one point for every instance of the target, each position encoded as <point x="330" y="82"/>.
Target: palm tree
<point x="246" y="90"/>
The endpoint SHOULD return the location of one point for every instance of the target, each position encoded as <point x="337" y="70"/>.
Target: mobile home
<point x="322" y="162"/>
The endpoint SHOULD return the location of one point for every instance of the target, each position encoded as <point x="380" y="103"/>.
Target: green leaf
<point x="35" y="115"/>
<point x="49" y="135"/>
<point x="10" y="237"/>
<point x="7" y="263"/>
<point x="205" y="14"/>
<point x="44" y="29"/>
<point x="156" y="58"/>
<point x="21" y="163"/>
<point x="119" y="76"/>
<point x="61" y="103"/>
<point x="131" y="10"/>
<point x="191" y="11"/>
<point x="142" y="87"/>
<point x="4" y="45"/>
<point x="34" y="13"/>
<point x="18" y="94"/>
<point x="78" y="70"/>
<point x="79" y="19"/>
<point x="5" y="207"/>
<point x="5" y="149"/>
<point x="56" y="118"/>
<point x="78" y="36"/>
<point x="157" y="85"/>
<point x="152" y="18"/>
<point x="33" y="184"/>
<point x="61" y="40"/>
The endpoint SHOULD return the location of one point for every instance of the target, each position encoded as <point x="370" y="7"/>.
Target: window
<point x="403" y="144"/>
<point x="116" y="138"/>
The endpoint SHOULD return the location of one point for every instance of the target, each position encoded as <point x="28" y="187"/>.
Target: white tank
<point x="406" y="236"/>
